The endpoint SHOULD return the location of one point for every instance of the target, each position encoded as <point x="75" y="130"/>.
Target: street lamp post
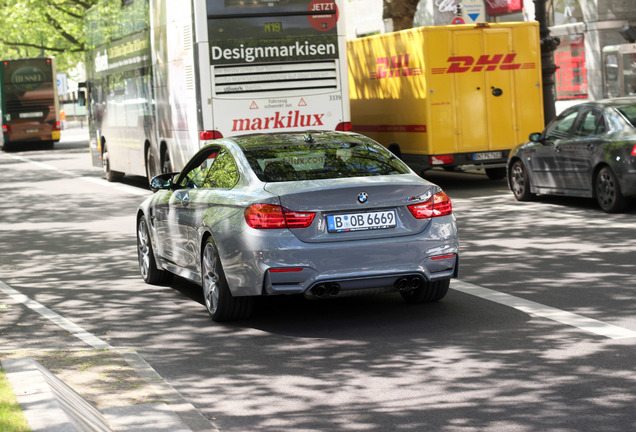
<point x="548" y="67"/>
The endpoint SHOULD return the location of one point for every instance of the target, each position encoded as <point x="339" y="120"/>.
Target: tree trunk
<point x="401" y="12"/>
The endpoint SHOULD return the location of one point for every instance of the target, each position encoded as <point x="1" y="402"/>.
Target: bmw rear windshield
<point x="324" y="160"/>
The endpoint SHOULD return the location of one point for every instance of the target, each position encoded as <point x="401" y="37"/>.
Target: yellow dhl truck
<point x="456" y="97"/>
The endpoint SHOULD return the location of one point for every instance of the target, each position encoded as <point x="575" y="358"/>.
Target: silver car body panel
<point x="292" y="261"/>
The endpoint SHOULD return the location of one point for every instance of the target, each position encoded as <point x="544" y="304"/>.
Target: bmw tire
<point x="219" y="301"/>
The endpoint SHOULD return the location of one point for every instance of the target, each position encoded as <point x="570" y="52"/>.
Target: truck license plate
<point x="487" y="155"/>
<point x="361" y="221"/>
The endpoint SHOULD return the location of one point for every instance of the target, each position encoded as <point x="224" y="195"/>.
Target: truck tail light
<point x="437" y="205"/>
<point x="57" y="126"/>
<point x="441" y="160"/>
<point x="268" y="216"/>
<point x="6" y="129"/>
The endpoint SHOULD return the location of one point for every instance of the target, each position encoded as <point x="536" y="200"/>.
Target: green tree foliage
<point x="54" y="28"/>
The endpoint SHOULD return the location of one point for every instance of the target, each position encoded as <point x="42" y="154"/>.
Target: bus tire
<point x="110" y="175"/>
<point x="166" y="163"/>
<point x="150" y="164"/>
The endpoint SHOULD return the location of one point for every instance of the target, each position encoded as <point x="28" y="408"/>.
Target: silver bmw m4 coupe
<point x="322" y="214"/>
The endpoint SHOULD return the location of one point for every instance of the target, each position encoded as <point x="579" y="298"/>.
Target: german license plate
<point x="487" y="155"/>
<point x="361" y="221"/>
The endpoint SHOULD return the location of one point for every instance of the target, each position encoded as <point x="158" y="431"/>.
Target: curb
<point x="49" y="405"/>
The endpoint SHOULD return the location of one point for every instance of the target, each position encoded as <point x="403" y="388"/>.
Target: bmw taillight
<point x="268" y="216"/>
<point x="437" y="205"/>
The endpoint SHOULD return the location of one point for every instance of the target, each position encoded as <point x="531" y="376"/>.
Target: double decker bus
<point x="166" y="76"/>
<point x="28" y="102"/>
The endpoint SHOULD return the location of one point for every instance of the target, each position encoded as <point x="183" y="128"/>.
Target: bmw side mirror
<point x="162" y="181"/>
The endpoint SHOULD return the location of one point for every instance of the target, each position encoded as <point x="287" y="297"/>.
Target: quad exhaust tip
<point x="408" y="283"/>
<point x="330" y="289"/>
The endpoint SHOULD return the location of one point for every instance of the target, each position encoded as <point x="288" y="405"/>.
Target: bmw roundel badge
<point x="363" y="197"/>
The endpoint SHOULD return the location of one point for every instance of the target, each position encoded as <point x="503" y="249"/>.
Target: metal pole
<point x="548" y="67"/>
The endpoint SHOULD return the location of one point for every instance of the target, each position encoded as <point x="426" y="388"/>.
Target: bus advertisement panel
<point x="28" y="102"/>
<point x="173" y="75"/>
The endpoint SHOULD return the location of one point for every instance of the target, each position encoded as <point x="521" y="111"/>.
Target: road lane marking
<point x="571" y="319"/>
<point x="102" y="182"/>
<point x="54" y="317"/>
<point x="188" y="414"/>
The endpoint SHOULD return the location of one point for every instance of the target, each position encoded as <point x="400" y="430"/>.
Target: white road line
<point x="118" y="186"/>
<point x="533" y="308"/>
<point x="527" y="306"/>
<point x="47" y="313"/>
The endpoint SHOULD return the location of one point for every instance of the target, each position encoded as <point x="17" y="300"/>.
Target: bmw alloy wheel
<point x="210" y="278"/>
<point x="143" y="248"/>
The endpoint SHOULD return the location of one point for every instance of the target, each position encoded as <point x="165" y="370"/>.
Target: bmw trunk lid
<point x="371" y="207"/>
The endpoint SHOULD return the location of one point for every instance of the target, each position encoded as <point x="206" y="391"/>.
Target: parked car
<point x="322" y="214"/>
<point x="589" y="150"/>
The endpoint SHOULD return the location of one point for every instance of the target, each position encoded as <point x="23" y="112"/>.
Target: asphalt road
<point x="538" y="333"/>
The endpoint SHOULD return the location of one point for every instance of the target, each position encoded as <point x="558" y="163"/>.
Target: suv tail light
<point x="437" y="205"/>
<point x="268" y="216"/>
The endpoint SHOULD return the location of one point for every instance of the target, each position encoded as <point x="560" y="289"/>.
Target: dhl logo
<point x="394" y="66"/>
<point x="459" y="64"/>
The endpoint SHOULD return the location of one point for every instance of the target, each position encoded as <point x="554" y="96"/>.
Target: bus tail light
<point x="343" y="126"/>
<point x="437" y="205"/>
<point x="268" y="216"/>
<point x="210" y="135"/>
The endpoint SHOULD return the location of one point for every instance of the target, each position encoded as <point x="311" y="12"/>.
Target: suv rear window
<point x="324" y="160"/>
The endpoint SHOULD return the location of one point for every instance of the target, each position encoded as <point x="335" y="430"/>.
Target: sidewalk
<point x="74" y="133"/>
<point x="67" y="380"/>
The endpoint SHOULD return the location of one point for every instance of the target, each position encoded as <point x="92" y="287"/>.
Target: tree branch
<point x="67" y="12"/>
<point x="33" y="45"/>
<point x="69" y="37"/>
